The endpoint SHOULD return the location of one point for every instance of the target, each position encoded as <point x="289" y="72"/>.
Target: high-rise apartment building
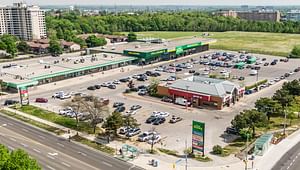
<point x="293" y="15"/>
<point x="25" y="22"/>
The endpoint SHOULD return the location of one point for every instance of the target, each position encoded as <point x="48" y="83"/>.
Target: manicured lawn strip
<point x="93" y="144"/>
<point x="56" y="118"/>
<point x="32" y="122"/>
<point x="168" y="152"/>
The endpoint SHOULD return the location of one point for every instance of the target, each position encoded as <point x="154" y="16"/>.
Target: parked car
<point x="133" y="132"/>
<point x="116" y="82"/>
<point x="105" y="84"/>
<point x="118" y="104"/>
<point x="273" y="63"/>
<point x="145" y="136"/>
<point x="112" y="86"/>
<point x="167" y="99"/>
<point x="65" y="111"/>
<point x="135" y="107"/>
<point x="154" y="139"/>
<point x="98" y="86"/>
<point x="142" y="92"/>
<point x="151" y="119"/>
<point x="159" y="121"/>
<point x="41" y="100"/>
<point x="124" y="80"/>
<point x="120" y="109"/>
<point x="266" y="64"/>
<point x="142" y="87"/>
<point x="241" y="78"/>
<point x="91" y="88"/>
<point x="192" y="71"/>
<point x="231" y="130"/>
<point x="123" y="130"/>
<point x="10" y="102"/>
<point x="175" y="119"/>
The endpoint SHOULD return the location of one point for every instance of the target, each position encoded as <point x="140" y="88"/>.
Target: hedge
<point x="256" y="84"/>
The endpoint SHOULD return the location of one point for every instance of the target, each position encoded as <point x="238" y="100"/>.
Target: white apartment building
<point x="25" y="22"/>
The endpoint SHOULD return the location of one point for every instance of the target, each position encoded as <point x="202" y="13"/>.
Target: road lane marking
<point x="53" y="154"/>
<point x="81" y="153"/>
<point x="13" y="139"/>
<point x="66" y="164"/>
<point x="105" y="163"/>
<point x="50" y="167"/>
<point x="37" y="150"/>
<point x="25" y="130"/>
<point x="42" y="137"/>
<point x="61" y="145"/>
<point x="23" y="144"/>
<point x="50" y="157"/>
<point x="10" y="147"/>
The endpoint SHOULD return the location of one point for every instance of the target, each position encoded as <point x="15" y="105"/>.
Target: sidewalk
<point x="275" y="152"/>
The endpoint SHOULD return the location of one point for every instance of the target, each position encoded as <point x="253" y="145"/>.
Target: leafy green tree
<point x="80" y="41"/>
<point x="283" y="97"/>
<point x="129" y="121"/>
<point x="4" y="155"/>
<point x="93" y="41"/>
<point x="268" y="106"/>
<point x="20" y="160"/>
<point x="132" y="37"/>
<point x="23" y="47"/>
<point x="296" y="52"/>
<point x="250" y="119"/>
<point x="114" y="122"/>
<point x="10" y="42"/>
<point x="218" y="150"/>
<point x="2" y="45"/>
<point x="55" y="48"/>
<point x="293" y="87"/>
<point x="152" y="88"/>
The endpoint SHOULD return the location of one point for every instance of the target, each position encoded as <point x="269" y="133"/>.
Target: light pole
<point x="256" y="81"/>
<point x="284" y="125"/>
<point x="186" y="102"/>
<point x="186" y="155"/>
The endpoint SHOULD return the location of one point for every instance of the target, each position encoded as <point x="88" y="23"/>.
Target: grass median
<point x="56" y="118"/>
<point x="32" y="122"/>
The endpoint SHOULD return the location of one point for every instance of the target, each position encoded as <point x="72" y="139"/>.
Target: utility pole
<point x="185" y="155"/>
<point x="186" y="103"/>
<point x="284" y="125"/>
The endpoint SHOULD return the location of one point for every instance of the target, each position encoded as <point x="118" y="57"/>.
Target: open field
<point x="256" y="42"/>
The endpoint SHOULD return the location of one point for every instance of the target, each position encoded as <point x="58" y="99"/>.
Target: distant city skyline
<point x="159" y="2"/>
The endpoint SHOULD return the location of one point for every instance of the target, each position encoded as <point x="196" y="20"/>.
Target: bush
<point x="167" y="151"/>
<point x="218" y="150"/>
<point x="256" y="84"/>
<point x="295" y="52"/>
<point x="244" y="132"/>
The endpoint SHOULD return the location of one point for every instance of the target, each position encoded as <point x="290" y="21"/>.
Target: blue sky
<point x="156" y="2"/>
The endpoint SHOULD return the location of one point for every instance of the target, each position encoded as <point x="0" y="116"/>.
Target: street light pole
<point x="186" y="103"/>
<point x="284" y="125"/>
<point x="185" y="155"/>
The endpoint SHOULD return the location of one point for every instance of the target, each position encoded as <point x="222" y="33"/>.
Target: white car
<point x="130" y="112"/>
<point x="65" y="111"/>
<point x="205" y="73"/>
<point x="154" y="139"/>
<point x="116" y="82"/>
<point x="145" y="136"/>
<point x="189" y="66"/>
<point x="206" y="69"/>
<point x="277" y="79"/>
<point x="291" y="73"/>
<point x="160" y="114"/>
<point x="65" y="96"/>
<point x="271" y="82"/>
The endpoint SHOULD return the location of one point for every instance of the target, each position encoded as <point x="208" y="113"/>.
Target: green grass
<point x="279" y="44"/>
<point x="93" y="144"/>
<point x="55" y="118"/>
<point x="168" y="152"/>
<point x="202" y="158"/>
<point x="34" y="123"/>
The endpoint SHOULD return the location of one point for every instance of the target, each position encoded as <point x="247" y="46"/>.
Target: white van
<point x="253" y="72"/>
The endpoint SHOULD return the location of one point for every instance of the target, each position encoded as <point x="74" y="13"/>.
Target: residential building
<point x="203" y="91"/>
<point x="25" y="22"/>
<point x="41" y="46"/>
<point x="227" y="13"/>
<point x="262" y="15"/>
<point x="293" y="15"/>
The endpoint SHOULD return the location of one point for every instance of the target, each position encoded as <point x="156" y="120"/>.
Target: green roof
<point x="23" y="84"/>
<point x="263" y="139"/>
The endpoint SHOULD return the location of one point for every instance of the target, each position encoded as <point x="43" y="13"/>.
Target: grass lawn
<point x="256" y="42"/>
<point x="55" y="118"/>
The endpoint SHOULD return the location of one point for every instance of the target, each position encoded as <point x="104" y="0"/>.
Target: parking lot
<point x="216" y="121"/>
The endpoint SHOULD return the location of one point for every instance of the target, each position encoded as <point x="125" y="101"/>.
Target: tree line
<point x="68" y="24"/>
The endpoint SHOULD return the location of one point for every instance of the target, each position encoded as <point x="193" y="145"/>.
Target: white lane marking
<point x="50" y="167"/>
<point x="105" y="163"/>
<point x="4" y="124"/>
<point x="291" y="163"/>
<point x="25" y="130"/>
<point x="13" y="139"/>
<point x="10" y="147"/>
<point x="37" y="151"/>
<point x="81" y="153"/>
<point x="61" y="145"/>
<point x="50" y="157"/>
<point x="23" y="144"/>
<point x="53" y="154"/>
<point x="66" y="164"/>
<point x="42" y="137"/>
<point x="288" y="167"/>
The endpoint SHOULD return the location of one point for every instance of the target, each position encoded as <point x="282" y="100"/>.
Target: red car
<point x="41" y="100"/>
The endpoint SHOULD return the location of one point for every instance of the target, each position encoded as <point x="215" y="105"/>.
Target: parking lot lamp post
<point x="186" y="103"/>
<point x="186" y="155"/>
<point x="257" y="81"/>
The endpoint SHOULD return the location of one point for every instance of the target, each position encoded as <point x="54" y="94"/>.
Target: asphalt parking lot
<point x="216" y="121"/>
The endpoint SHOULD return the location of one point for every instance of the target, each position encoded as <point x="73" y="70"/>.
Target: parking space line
<point x="25" y="130"/>
<point x="50" y="157"/>
<point x="42" y="137"/>
<point x="81" y="153"/>
<point x="66" y="164"/>
<point x="13" y="139"/>
<point x="50" y="167"/>
<point x="61" y="145"/>
<point x="23" y="144"/>
<point x="37" y="150"/>
<point x="105" y="163"/>
<point x="10" y="147"/>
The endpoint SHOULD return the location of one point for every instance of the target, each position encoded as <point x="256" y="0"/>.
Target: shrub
<point x="295" y="52"/>
<point x="256" y="84"/>
<point x="218" y="150"/>
<point x="244" y="132"/>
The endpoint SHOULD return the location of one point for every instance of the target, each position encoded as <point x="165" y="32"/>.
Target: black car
<point x="124" y="80"/>
<point x="273" y="63"/>
<point x="231" y="130"/>
<point x="10" y="102"/>
<point x="118" y="104"/>
<point x="241" y="78"/>
<point x="159" y="121"/>
<point x="178" y="69"/>
<point x="192" y="71"/>
<point x="112" y="86"/>
<point x="120" y="109"/>
<point x="297" y="69"/>
<point x="142" y="87"/>
<point x="196" y="74"/>
<point x="151" y="119"/>
<point x="286" y="75"/>
<point x="91" y="88"/>
<point x="266" y="64"/>
<point x="98" y="86"/>
<point x="263" y="59"/>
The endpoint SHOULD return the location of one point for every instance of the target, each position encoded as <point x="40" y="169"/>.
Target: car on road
<point x="91" y="88"/>
<point x="112" y="86"/>
<point x="118" y="104"/>
<point x="175" y="119"/>
<point x="10" y="102"/>
<point x="41" y="100"/>
<point x="133" y="131"/>
<point x="135" y="107"/>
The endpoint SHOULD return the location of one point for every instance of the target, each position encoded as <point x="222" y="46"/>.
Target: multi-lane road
<point x="290" y="160"/>
<point x="55" y="153"/>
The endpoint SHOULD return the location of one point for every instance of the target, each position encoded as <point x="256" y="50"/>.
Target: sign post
<point x="198" y="135"/>
<point x="24" y="96"/>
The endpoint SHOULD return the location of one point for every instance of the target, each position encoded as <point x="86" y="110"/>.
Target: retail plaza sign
<point x="198" y="133"/>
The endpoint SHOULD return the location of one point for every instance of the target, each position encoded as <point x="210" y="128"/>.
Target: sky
<point x="156" y="2"/>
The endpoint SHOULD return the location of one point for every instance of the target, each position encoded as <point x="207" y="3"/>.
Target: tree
<point x="80" y="41"/>
<point x="293" y="87"/>
<point x="250" y="119"/>
<point x="114" y="122"/>
<point x="283" y="97"/>
<point x="218" y="150"/>
<point x="130" y="122"/>
<point x="268" y="106"/>
<point x="152" y="88"/>
<point x="10" y="42"/>
<point x="77" y="105"/>
<point x="295" y="52"/>
<point x="132" y="37"/>
<point x="97" y="110"/>
<point x="23" y="46"/>
<point x="93" y="41"/>
<point x="16" y="160"/>
<point x="55" y="48"/>
<point x="2" y="45"/>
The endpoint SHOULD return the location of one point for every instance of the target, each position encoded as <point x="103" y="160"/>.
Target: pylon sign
<point x="198" y="133"/>
<point x="24" y="96"/>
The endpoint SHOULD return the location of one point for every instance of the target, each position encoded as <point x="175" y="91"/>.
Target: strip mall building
<point x="202" y="91"/>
